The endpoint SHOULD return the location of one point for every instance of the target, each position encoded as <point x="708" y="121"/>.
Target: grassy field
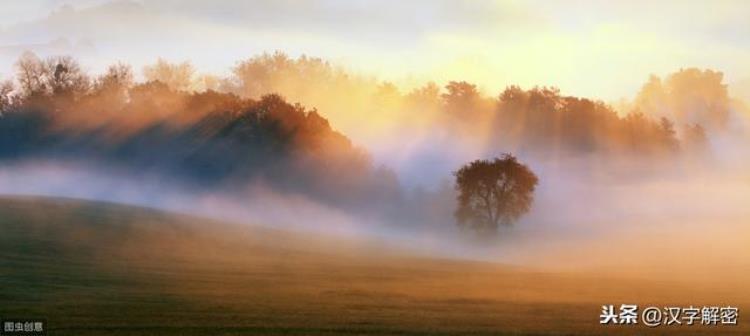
<point x="95" y="268"/>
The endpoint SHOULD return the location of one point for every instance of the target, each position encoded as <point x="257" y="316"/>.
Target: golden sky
<point x="602" y="49"/>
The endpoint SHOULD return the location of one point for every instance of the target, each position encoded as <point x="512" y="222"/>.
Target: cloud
<point x="493" y="43"/>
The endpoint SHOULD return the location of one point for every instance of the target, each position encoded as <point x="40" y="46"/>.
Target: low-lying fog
<point x="686" y="219"/>
<point x="626" y="190"/>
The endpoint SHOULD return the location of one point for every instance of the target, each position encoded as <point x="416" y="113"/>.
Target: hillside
<point x="91" y="268"/>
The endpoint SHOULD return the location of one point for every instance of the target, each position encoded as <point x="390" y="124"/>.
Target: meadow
<point x="92" y="268"/>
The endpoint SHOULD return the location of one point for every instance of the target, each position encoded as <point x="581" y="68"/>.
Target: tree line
<point x="207" y="138"/>
<point x="665" y="117"/>
<point x="213" y="131"/>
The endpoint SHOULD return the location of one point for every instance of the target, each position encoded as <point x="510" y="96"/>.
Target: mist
<point x="690" y="225"/>
<point x="314" y="150"/>
<point x="374" y="167"/>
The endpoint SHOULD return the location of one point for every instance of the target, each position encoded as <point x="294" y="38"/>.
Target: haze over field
<point x="100" y="268"/>
<point x="347" y="120"/>
<point x="373" y="167"/>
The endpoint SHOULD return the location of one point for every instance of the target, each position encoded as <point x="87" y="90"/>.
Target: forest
<point x="288" y="123"/>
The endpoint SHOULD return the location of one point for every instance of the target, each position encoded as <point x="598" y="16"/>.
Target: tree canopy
<point x="491" y="193"/>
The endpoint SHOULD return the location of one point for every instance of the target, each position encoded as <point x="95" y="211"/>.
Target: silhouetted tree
<point x="6" y="96"/>
<point x="461" y="97"/>
<point x="289" y="77"/>
<point x="493" y="192"/>
<point x="30" y="75"/>
<point x="423" y="105"/>
<point x="118" y="78"/>
<point x="427" y="95"/>
<point x="109" y="93"/>
<point x="59" y="76"/>
<point x="208" y="82"/>
<point x="178" y="76"/>
<point x="65" y="77"/>
<point x="542" y="120"/>
<point x="700" y="96"/>
<point x="690" y="96"/>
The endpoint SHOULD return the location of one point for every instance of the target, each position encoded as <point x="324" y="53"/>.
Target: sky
<point x="600" y="49"/>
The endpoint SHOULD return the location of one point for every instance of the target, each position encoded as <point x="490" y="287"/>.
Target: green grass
<point x="96" y="268"/>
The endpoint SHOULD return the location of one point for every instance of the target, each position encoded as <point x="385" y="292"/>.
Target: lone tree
<point x="493" y="192"/>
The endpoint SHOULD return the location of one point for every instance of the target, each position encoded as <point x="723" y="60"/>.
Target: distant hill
<point x="208" y="140"/>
